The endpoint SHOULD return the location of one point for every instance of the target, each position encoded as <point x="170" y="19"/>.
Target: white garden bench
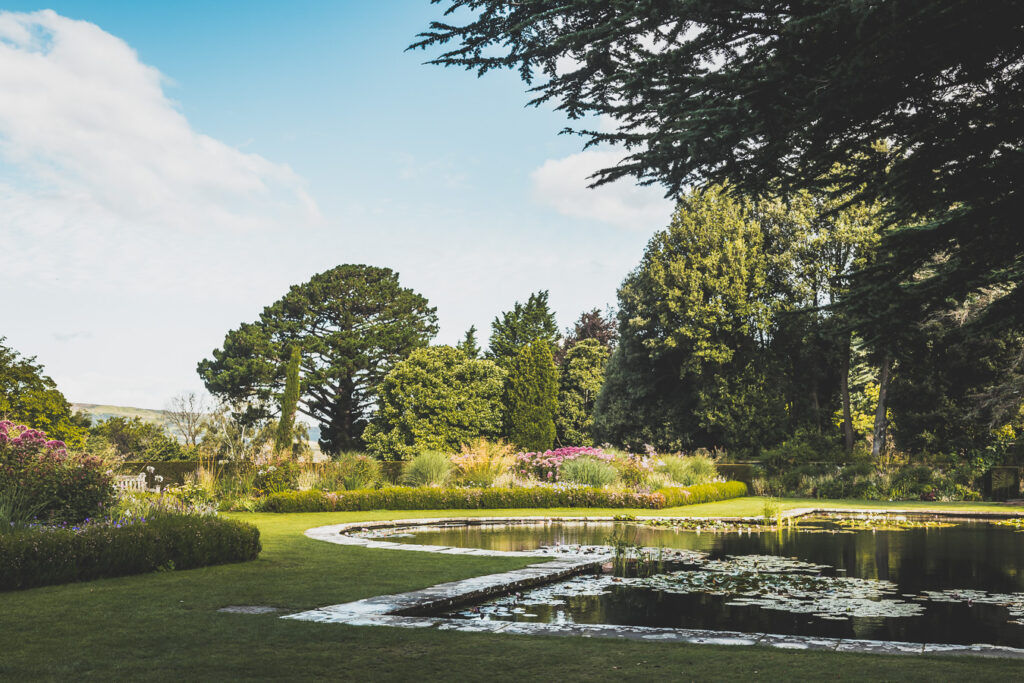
<point x="131" y="482"/>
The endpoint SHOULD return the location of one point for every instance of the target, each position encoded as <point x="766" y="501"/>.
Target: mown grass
<point x="165" y="625"/>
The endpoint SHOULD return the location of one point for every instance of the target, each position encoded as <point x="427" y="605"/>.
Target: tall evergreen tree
<point x="532" y="397"/>
<point x="526" y="322"/>
<point x="797" y="88"/>
<point x="469" y="344"/>
<point x="351" y="323"/>
<point x="579" y="383"/>
<point x="289" y="403"/>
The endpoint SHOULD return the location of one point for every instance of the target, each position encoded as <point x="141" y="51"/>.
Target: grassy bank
<point x="166" y="626"/>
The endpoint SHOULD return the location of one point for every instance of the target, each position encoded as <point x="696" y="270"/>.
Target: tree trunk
<point x="845" y="389"/>
<point x="878" y="440"/>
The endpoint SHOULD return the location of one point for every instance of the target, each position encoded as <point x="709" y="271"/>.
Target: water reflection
<point x="920" y="568"/>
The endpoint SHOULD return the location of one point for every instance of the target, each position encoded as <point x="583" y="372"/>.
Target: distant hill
<point x="102" y="412"/>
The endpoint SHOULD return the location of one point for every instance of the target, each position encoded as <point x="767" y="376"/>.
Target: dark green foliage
<point x="31" y="398"/>
<point x="532" y="397"/>
<point x="136" y="439"/>
<point x="41" y="557"/>
<point x="799" y="89"/>
<point x="278" y="476"/>
<point x="437" y="399"/>
<point x="469" y="344"/>
<point x="580" y="377"/>
<point x="289" y="402"/>
<point x="525" y="323"/>
<point x="351" y="323"/>
<point x="694" y="323"/>
<point x="433" y="498"/>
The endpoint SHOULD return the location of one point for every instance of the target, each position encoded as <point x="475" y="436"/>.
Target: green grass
<point x="165" y="625"/>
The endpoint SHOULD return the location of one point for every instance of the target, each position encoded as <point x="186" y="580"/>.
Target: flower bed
<point x="434" y="498"/>
<point x="40" y="556"/>
<point x="546" y="466"/>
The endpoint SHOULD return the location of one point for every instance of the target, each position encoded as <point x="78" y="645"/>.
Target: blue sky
<point x="166" y="170"/>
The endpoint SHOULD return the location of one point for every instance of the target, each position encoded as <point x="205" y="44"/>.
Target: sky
<point x="169" y="169"/>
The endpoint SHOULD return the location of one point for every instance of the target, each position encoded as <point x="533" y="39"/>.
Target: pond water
<point x="960" y="583"/>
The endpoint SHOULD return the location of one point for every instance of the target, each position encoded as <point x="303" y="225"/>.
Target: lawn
<point x="166" y="626"/>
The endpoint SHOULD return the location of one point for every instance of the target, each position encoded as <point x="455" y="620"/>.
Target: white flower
<point x="151" y="469"/>
<point x="158" y="478"/>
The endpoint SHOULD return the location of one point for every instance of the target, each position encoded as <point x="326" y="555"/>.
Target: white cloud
<point x="563" y="183"/>
<point x="90" y="124"/>
<point x="120" y="219"/>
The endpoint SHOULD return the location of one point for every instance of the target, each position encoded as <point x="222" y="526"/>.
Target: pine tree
<point x="533" y="397"/>
<point x="469" y="344"/>
<point x="289" y="403"/>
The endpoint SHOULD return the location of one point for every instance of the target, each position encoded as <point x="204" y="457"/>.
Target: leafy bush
<point x="634" y="471"/>
<point x="40" y="556"/>
<point x="58" y="486"/>
<point x="430" y="468"/>
<point x="702" y="493"/>
<point x="435" y="498"/>
<point x="407" y="498"/>
<point x="352" y="471"/>
<point x="277" y="476"/>
<point x="588" y="471"/>
<point x="803" y="448"/>
<point x="689" y="470"/>
<point x="482" y="461"/>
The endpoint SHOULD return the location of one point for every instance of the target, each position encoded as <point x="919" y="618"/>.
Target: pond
<point x="918" y="580"/>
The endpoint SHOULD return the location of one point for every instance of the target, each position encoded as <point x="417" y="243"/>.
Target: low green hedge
<point x="40" y="556"/>
<point x="676" y="496"/>
<point x="433" y="498"/>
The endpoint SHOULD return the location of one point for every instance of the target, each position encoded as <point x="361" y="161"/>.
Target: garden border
<point x="404" y="610"/>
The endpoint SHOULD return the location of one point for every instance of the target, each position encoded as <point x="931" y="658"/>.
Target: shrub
<point x="352" y="471"/>
<point x="634" y="470"/>
<point x="436" y="498"/>
<point x="482" y="462"/>
<point x="58" y="486"/>
<point x="407" y="498"/>
<point x="689" y="470"/>
<point x="702" y="493"/>
<point x="588" y="471"/>
<point x="277" y="476"/>
<point x="40" y="556"/>
<point x="803" y="448"/>
<point x="430" y="468"/>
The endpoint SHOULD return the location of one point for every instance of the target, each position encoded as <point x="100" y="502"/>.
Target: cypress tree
<point x="533" y="397"/>
<point x="289" y="403"/>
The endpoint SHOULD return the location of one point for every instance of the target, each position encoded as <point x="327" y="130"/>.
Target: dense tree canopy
<point x="773" y="97"/>
<point x="526" y="322"/>
<point x="30" y="397"/>
<point x="351" y="324"/>
<point x="436" y="399"/>
<point x="135" y="439"/>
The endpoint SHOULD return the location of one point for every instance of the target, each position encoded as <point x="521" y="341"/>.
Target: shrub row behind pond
<point x="702" y="493"/>
<point x="430" y="498"/>
<point x="39" y="556"/>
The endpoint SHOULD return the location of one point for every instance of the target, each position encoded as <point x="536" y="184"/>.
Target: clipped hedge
<point x="432" y="498"/>
<point x="676" y="496"/>
<point x="41" y="556"/>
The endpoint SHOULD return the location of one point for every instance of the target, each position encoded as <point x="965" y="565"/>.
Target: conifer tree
<point x="525" y="323"/>
<point x="289" y="403"/>
<point x="469" y="344"/>
<point x="533" y="397"/>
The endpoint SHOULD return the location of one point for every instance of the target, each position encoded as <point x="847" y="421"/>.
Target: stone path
<point x="413" y="609"/>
